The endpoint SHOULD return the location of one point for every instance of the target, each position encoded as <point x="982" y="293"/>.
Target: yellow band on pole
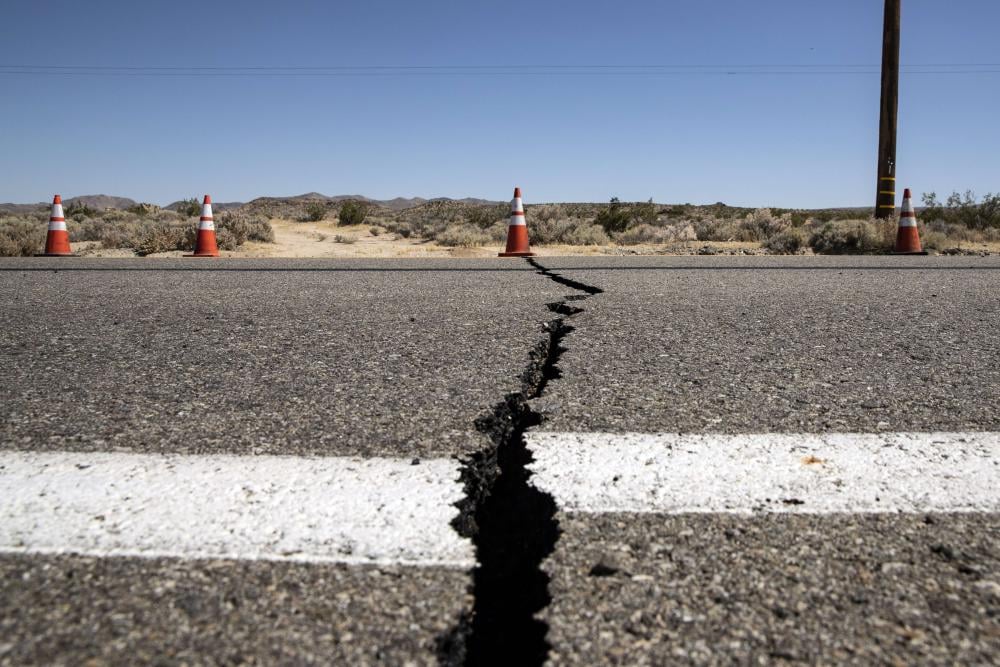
<point x="888" y="178"/>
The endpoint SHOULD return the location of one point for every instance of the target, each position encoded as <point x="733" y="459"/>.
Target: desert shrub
<point x="642" y="233"/>
<point x="645" y="212"/>
<point x="21" y="236"/>
<point x="586" y="234"/>
<point x="615" y="217"/>
<point x="484" y="217"/>
<point x="762" y="224"/>
<point x="144" y="210"/>
<point x="189" y="208"/>
<point x="314" y="212"/>
<point x="79" y="209"/>
<point x="225" y="239"/>
<point x="245" y="227"/>
<point x="787" y="242"/>
<point x="340" y="238"/>
<point x="850" y="237"/>
<point x="162" y="237"/>
<point x="464" y="236"/>
<point x="375" y="230"/>
<point x="716" y="229"/>
<point x="963" y="209"/>
<point x="353" y="212"/>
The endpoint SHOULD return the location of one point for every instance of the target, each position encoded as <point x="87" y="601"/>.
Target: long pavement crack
<point x="511" y="523"/>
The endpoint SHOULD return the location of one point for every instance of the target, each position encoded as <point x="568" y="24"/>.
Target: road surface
<point x="576" y="460"/>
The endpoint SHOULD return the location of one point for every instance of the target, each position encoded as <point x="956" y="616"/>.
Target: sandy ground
<point x="325" y="239"/>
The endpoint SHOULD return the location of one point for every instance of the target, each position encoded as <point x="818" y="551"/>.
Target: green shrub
<point x="315" y="211"/>
<point x="79" y="209"/>
<point x="484" y="217"/>
<point x="615" y="217"/>
<point x="963" y="209"/>
<point x="189" y="208"/>
<point x="353" y="212"/>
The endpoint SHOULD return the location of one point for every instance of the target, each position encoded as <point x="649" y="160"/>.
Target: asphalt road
<point x="765" y="345"/>
<point x="399" y="359"/>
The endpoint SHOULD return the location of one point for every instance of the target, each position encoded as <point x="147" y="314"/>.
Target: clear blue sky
<point x="804" y="140"/>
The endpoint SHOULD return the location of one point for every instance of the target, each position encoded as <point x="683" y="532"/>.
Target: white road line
<point x="817" y="474"/>
<point x="316" y="510"/>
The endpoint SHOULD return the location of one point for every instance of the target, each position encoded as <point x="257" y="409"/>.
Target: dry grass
<point x="445" y="228"/>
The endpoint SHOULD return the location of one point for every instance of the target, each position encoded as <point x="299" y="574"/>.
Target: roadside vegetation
<point x="142" y="230"/>
<point x="960" y="223"/>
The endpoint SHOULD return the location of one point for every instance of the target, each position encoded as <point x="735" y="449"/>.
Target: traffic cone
<point x="517" y="231"/>
<point x="57" y="240"/>
<point x="205" y="245"/>
<point x="907" y="236"/>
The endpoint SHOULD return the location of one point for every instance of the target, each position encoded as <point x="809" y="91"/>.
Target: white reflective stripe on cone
<point x="206" y="211"/>
<point x="57" y="225"/>
<point x="57" y="211"/>
<point x="206" y="224"/>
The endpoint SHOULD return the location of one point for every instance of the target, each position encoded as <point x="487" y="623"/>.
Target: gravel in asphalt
<point x="769" y="344"/>
<point x="70" y="610"/>
<point x="347" y="358"/>
<point x="765" y="345"/>
<point x="630" y="589"/>
<point x="369" y="358"/>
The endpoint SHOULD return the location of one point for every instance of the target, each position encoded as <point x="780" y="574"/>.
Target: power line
<point x="487" y="70"/>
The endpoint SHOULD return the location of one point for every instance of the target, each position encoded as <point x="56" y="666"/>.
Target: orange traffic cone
<point x="907" y="236"/>
<point x="517" y="231"/>
<point x="57" y="240"/>
<point x="205" y="245"/>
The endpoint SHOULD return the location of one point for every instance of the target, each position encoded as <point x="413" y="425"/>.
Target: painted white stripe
<point x="206" y="224"/>
<point x="907" y="222"/>
<point x="517" y="221"/>
<point x="831" y="473"/>
<point x="57" y="225"/>
<point x="326" y="510"/>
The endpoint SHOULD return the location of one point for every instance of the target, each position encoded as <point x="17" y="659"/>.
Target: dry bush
<point x="762" y="224"/>
<point x="164" y="237"/>
<point x="851" y="237"/>
<point x="643" y="233"/>
<point x="21" y="236"/>
<point x="716" y="229"/>
<point x="463" y="236"/>
<point x="787" y="242"/>
<point x="245" y="227"/>
<point x="586" y="234"/>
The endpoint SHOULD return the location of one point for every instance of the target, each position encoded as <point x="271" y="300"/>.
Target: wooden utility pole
<point x="885" y="202"/>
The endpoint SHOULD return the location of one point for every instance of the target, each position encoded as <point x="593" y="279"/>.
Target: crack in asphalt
<point x="511" y="523"/>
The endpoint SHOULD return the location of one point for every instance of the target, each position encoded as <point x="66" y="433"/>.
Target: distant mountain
<point x="100" y="202"/>
<point x="96" y="202"/>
